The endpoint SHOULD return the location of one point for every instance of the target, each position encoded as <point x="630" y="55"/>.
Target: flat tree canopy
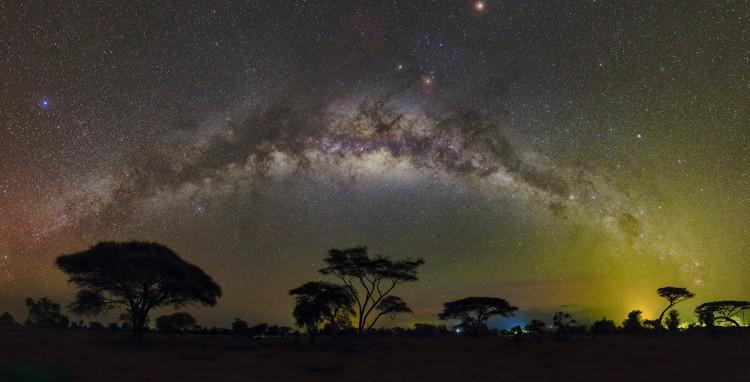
<point x="721" y="311"/>
<point x="137" y="276"/>
<point x="674" y="295"/>
<point x="475" y="311"/>
<point x="370" y="281"/>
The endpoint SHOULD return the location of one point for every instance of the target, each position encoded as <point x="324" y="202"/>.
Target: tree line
<point x="138" y="277"/>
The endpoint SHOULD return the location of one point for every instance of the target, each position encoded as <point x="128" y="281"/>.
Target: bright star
<point x="479" y="6"/>
<point x="45" y="103"/>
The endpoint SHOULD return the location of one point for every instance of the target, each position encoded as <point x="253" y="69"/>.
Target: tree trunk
<point x="657" y="324"/>
<point x="139" y="324"/>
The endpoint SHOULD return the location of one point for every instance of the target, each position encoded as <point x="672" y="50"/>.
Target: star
<point x="45" y="103"/>
<point x="480" y="6"/>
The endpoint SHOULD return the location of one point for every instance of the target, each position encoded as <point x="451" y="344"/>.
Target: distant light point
<point x="480" y="6"/>
<point x="45" y="103"/>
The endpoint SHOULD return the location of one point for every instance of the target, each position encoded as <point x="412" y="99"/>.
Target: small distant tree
<point x="673" y="321"/>
<point x="634" y="322"/>
<point x="376" y="276"/>
<point x="603" y="326"/>
<point x="137" y="276"/>
<point x="239" y="327"/>
<point x="45" y="314"/>
<point x="7" y="321"/>
<point x="535" y="326"/>
<point x="318" y="303"/>
<point x="475" y="311"/>
<point x="175" y="322"/>
<point x="674" y="296"/>
<point x="564" y="322"/>
<point x="714" y="312"/>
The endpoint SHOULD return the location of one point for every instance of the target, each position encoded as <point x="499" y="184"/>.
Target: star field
<point x="577" y="153"/>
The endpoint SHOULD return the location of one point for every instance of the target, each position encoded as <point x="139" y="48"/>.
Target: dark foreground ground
<point x="110" y="357"/>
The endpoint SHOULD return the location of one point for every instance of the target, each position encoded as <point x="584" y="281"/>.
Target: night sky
<point x="574" y="154"/>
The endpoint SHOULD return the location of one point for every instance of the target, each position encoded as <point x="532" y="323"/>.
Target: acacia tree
<point x="376" y="276"/>
<point x="721" y="311"/>
<point x="320" y="302"/>
<point x="475" y="311"/>
<point x="137" y="276"/>
<point x="674" y="296"/>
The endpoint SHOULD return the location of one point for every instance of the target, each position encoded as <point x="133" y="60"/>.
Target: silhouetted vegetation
<point x="603" y="326"/>
<point x="321" y="303"/>
<point x="633" y="323"/>
<point x="377" y="276"/>
<point x="563" y="323"/>
<point x="7" y="321"/>
<point x="175" y="323"/>
<point x="536" y="327"/>
<point x="475" y="311"/>
<point x="239" y="327"/>
<point x="714" y="312"/>
<point x="137" y="276"/>
<point x="45" y="314"/>
<point x="674" y="296"/>
<point x="673" y="321"/>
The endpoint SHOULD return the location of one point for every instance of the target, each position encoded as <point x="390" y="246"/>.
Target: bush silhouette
<point x="603" y="326"/>
<point x="239" y="327"/>
<point x="673" y="321"/>
<point x="45" y="314"/>
<point x="633" y="323"/>
<point x="175" y="323"/>
<point x="7" y="321"/>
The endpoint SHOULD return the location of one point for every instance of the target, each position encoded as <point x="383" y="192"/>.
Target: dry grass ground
<point x="105" y="357"/>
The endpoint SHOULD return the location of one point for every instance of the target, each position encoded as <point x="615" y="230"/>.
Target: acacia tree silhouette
<point x="475" y="311"/>
<point x="378" y="276"/>
<point x="674" y="296"/>
<point x="135" y="275"/>
<point x="721" y="311"/>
